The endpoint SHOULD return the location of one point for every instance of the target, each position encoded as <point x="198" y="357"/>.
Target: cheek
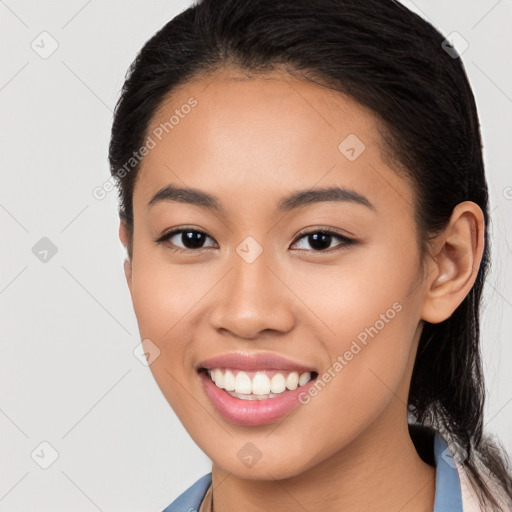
<point x="163" y="294"/>
<point x="352" y="294"/>
<point x="164" y="297"/>
<point x="372" y="318"/>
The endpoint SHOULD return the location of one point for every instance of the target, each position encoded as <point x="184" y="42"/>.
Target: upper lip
<point x="253" y="361"/>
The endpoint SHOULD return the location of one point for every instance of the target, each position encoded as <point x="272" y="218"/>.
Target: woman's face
<point x="258" y="281"/>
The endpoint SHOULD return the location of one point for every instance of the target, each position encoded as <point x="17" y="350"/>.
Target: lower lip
<point x="252" y="412"/>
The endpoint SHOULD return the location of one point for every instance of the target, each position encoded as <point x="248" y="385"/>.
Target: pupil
<point x="320" y="241"/>
<point x="192" y="239"/>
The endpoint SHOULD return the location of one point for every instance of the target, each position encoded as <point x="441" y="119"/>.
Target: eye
<point x="321" y="240"/>
<point x="191" y="239"/>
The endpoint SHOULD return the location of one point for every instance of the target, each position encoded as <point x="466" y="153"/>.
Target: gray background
<point x="69" y="376"/>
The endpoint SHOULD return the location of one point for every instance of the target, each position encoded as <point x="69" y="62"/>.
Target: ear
<point x="457" y="258"/>
<point x="123" y="236"/>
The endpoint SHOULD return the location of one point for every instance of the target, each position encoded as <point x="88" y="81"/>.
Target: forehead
<point x="235" y="104"/>
<point x="262" y="131"/>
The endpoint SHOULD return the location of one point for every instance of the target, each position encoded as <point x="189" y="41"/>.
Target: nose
<point x="252" y="299"/>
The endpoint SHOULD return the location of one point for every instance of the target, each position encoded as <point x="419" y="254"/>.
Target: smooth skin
<point x="250" y="141"/>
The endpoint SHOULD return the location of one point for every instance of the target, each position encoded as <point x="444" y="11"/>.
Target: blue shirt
<point x="448" y="494"/>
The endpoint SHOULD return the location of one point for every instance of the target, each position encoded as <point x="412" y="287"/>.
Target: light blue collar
<point x="448" y="495"/>
<point x="190" y="500"/>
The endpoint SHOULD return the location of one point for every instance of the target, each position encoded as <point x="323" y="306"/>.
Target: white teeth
<point x="278" y="383"/>
<point x="218" y="378"/>
<point x="304" y="378"/>
<point x="243" y="383"/>
<point x="260" y="386"/>
<point x="292" y="381"/>
<point x="229" y="381"/>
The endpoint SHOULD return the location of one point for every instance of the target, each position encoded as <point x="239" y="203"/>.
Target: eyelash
<point x="345" y="241"/>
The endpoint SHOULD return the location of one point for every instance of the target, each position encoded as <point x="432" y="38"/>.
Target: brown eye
<point x="190" y="239"/>
<point x="321" y="240"/>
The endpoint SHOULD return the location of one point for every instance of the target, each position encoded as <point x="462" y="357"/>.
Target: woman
<point x="304" y="206"/>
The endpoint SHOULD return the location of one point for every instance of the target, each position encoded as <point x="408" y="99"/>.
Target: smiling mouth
<point x="257" y="384"/>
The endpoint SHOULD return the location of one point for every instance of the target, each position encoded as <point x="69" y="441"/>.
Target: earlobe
<point x="128" y="272"/>
<point x="123" y="236"/>
<point x="456" y="263"/>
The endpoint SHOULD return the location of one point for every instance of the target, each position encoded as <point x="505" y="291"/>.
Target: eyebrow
<point x="318" y="195"/>
<point x="293" y="201"/>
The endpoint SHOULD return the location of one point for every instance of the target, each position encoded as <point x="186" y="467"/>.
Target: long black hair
<point x="392" y="61"/>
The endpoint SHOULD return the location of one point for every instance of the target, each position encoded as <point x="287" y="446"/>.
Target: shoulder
<point x="190" y="499"/>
